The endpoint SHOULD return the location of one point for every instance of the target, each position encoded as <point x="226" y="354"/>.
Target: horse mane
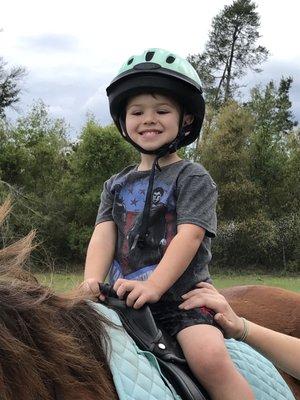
<point x="52" y="346"/>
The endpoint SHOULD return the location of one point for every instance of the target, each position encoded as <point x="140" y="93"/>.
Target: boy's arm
<point x="175" y="261"/>
<point x="196" y="217"/>
<point x="178" y="256"/>
<point x="100" y="251"/>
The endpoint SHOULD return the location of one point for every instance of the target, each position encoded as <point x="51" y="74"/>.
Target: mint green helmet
<point x="159" y="71"/>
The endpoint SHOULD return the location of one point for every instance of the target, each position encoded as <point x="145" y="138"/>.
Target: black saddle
<point x="140" y="325"/>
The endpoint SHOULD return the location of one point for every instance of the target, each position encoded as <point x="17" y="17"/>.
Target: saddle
<point x="141" y="326"/>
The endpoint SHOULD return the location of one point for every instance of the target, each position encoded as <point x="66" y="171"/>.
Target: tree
<point x="230" y="51"/>
<point x="31" y="153"/>
<point x="272" y="148"/>
<point x="32" y="164"/>
<point x="271" y="107"/>
<point x="253" y="153"/>
<point x="99" y="153"/>
<point x="225" y="153"/>
<point x="9" y="86"/>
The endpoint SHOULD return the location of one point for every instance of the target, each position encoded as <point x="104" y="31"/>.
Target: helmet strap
<point x="141" y="237"/>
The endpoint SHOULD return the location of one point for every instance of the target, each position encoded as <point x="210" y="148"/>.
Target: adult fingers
<point x="231" y="324"/>
<point x="198" y="292"/>
<point x="207" y="286"/>
<point x="226" y="324"/>
<point x="207" y="300"/>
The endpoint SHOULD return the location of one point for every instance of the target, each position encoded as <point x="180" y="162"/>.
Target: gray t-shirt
<point x="183" y="193"/>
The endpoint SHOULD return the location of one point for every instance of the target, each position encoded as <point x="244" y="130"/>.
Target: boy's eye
<point x="136" y="113"/>
<point x="163" y="111"/>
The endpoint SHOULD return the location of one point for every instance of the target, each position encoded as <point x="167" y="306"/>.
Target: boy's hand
<point x="140" y="292"/>
<point x="90" y="287"/>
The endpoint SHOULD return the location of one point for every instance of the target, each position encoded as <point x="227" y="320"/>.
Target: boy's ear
<point x="188" y="119"/>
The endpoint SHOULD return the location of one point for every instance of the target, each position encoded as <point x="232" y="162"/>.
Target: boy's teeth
<point x="150" y="133"/>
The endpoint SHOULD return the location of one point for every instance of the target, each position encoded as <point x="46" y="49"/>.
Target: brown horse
<point x="272" y="307"/>
<point x="52" y="346"/>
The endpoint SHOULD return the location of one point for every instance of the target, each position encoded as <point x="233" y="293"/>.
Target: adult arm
<point x="281" y="349"/>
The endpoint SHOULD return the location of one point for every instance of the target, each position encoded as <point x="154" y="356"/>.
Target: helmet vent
<point x="149" y="55"/>
<point x="170" y="59"/>
<point x="130" y="61"/>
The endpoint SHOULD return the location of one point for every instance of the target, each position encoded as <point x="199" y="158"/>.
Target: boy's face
<point x="152" y="120"/>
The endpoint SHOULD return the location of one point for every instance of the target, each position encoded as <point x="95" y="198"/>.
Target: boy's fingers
<point x="118" y="283"/>
<point x="122" y="290"/>
<point x="90" y="287"/>
<point x="101" y="297"/>
<point x="132" y="297"/>
<point x="122" y="286"/>
<point x="140" y="302"/>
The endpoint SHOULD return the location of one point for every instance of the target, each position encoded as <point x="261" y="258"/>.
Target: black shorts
<point x="171" y="319"/>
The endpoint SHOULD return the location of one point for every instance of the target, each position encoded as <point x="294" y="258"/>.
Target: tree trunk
<point x="229" y="64"/>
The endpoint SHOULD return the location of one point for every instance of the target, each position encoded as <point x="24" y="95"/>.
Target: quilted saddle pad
<point x="137" y="375"/>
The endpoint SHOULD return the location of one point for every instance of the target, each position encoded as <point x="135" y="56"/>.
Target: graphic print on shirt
<point x="138" y="263"/>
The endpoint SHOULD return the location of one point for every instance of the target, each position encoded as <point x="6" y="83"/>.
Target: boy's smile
<point x="152" y="120"/>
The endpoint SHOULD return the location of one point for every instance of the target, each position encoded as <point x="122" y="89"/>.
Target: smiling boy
<point x="156" y="220"/>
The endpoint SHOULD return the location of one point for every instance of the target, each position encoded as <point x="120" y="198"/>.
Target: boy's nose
<point x="149" y="119"/>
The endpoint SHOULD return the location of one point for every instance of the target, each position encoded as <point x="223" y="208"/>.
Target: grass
<point x="61" y="282"/>
<point x="65" y="281"/>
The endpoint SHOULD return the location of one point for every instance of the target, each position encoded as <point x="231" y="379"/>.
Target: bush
<point x="259" y="241"/>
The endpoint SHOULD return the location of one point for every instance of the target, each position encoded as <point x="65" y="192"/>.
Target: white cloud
<point x="73" y="49"/>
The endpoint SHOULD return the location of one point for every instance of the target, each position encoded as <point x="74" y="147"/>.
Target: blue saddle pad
<point x="137" y="375"/>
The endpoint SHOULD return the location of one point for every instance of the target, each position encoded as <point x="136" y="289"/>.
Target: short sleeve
<point x="106" y="204"/>
<point x="196" y="202"/>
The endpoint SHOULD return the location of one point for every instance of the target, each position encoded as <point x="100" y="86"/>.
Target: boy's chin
<point x="150" y="145"/>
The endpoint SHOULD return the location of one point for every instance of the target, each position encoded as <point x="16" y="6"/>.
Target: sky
<point x="73" y="49"/>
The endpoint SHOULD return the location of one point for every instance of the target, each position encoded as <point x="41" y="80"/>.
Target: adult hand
<point x="140" y="292"/>
<point x="90" y="287"/>
<point x="208" y="296"/>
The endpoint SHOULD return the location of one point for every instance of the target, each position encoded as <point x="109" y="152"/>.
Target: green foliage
<point x="253" y="153"/>
<point x="251" y="150"/>
<point x="259" y="241"/>
<point x="225" y="153"/>
<point x="56" y="184"/>
<point x="99" y="153"/>
<point x="272" y="158"/>
<point x="9" y="86"/>
<point x="271" y="108"/>
<point x="32" y="152"/>
<point x="32" y="162"/>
